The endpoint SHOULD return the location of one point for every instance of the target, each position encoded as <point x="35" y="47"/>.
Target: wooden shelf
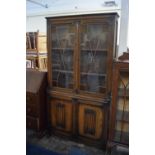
<point x="31" y="50"/>
<point x="95" y="50"/>
<point x="123" y="121"/>
<point x="83" y="73"/>
<point x="63" y="49"/>
<point x="42" y="54"/>
<point x="31" y="57"/>
<point x="31" y="54"/>
<point x="63" y="71"/>
<point x="93" y="74"/>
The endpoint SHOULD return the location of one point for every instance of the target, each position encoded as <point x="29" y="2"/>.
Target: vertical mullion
<point x="113" y="120"/>
<point x="77" y="57"/>
<point x="49" y="49"/>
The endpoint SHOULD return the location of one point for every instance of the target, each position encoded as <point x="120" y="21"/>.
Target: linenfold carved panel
<point x="90" y="121"/>
<point x="61" y="114"/>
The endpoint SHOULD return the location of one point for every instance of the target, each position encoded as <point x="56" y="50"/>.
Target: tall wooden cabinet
<point x="80" y="55"/>
<point x="119" y="116"/>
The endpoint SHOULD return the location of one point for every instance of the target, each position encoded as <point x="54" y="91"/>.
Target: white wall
<point x="56" y="7"/>
<point x="34" y="23"/>
<point x="36" y="14"/>
<point x="123" y="35"/>
<point x="36" y="17"/>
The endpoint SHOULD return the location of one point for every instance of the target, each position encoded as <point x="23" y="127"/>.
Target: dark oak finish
<point x="119" y="116"/>
<point x="81" y="50"/>
<point x="36" y="83"/>
<point x="90" y="121"/>
<point x="62" y="112"/>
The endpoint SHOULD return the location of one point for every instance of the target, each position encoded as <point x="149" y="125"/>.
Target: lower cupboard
<point x="80" y="120"/>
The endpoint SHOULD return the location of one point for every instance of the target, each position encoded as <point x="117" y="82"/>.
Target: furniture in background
<point x="36" y="84"/>
<point x="36" y="51"/>
<point x="32" y="49"/>
<point x="81" y="50"/>
<point x="119" y="115"/>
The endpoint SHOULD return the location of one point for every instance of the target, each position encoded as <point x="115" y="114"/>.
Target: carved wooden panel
<point x="90" y="121"/>
<point x="61" y="114"/>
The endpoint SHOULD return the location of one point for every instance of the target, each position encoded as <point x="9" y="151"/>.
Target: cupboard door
<point x="61" y="114"/>
<point x="121" y="131"/>
<point x="90" y="121"/>
<point x="62" y="49"/>
<point x="93" y="57"/>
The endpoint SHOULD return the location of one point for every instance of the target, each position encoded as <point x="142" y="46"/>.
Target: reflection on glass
<point x="93" y="58"/>
<point x="125" y="137"/>
<point x="117" y="136"/>
<point x="121" y="131"/>
<point x="94" y="37"/>
<point x="123" y="85"/>
<point x="123" y="104"/>
<point x="62" y="56"/>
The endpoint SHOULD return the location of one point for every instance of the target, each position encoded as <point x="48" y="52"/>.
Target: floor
<point x="60" y="145"/>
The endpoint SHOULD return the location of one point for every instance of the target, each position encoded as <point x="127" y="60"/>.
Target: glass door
<point x="122" y="111"/>
<point x="93" y="57"/>
<point x="63" y="44"/>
